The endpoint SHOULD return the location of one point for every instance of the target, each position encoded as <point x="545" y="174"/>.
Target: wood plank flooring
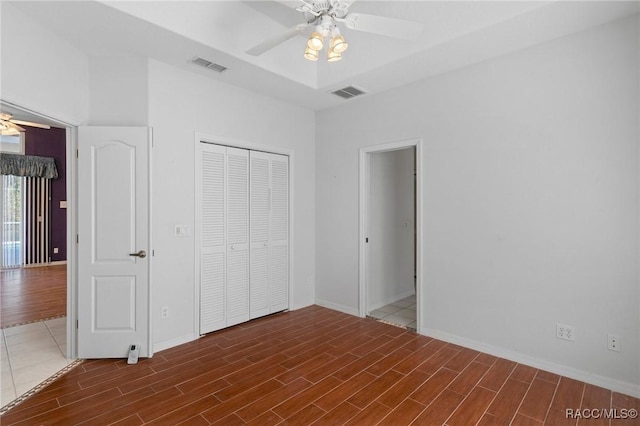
<point x="314" y="366"/>
<point x="32" y="294"/>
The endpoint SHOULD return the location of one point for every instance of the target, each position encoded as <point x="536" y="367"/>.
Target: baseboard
<point x="391" y="300"/>
<point x="41" y="265"/>
<point x="572" y="373"/>
<point x="176" y="341"/>
<point x="337" y="307"/>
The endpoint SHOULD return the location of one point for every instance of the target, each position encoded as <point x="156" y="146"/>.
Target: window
<point x="12" y="143"/>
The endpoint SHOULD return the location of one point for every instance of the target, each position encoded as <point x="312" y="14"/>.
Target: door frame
<point x="72" y="259"/>
<point x="364" y="186"/>
<point x="235" y="143"/>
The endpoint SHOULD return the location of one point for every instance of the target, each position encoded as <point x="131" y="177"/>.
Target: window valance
<point x="28" y="165"/>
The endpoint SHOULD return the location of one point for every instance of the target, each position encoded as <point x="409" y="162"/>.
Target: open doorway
<point x="390" y="222"/>
<point x="34" y="271"/>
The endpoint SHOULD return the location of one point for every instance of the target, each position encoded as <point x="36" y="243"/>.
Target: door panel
<point x="260" y="217"/>
<point x="113" y="224"/>
<point x="213" y="247"/>
<point x="279" y="232"/>
<point x="237" y="236"/>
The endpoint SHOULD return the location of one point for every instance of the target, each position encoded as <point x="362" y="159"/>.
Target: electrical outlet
<point x="613" y="342"/>
<point x="164" y="313"/>
<point x="565" y="332"/>
<point x="55" y="250"/>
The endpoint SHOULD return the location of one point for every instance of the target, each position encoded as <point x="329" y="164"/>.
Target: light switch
<point x="182" y="231"/>
<point x="63" y="204"/>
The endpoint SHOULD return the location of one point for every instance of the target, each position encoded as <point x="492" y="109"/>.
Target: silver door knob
<point x="141" y="254"/>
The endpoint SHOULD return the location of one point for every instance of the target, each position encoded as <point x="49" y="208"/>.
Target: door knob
<point x="142" y="254"/>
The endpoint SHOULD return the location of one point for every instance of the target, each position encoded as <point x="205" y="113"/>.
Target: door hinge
<point x="366" y="240"/>
<point x="77" y="324"/>
<point x="77" y="153"/>
<point x="77" y="239"/>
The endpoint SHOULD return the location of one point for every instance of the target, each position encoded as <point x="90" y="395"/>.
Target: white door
<point x="260" y="219"/>
<point x="237" y="288"/>
<point x="213" y="246"/>
<point x="113" y="241"/>
<point x="224" y="237"/>
<point x="269" y="233"/>
<point x="279" y="233"/>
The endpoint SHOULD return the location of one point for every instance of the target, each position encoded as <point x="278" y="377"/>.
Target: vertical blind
<point x="32" y="245"/>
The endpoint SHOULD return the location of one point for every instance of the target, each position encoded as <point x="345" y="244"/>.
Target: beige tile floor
<point x="30" y="354"/>
<point x="402" y="312"/>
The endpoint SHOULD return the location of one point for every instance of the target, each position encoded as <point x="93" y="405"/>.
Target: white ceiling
<point x="456" y="34"/>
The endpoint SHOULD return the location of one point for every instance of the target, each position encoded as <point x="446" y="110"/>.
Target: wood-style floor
<point x="314" y="365"/>
<point x="32" y="294"/>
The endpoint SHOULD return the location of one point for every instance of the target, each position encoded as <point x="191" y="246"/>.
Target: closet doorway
<point x="390" y="223"/>
<point x="243" y="232"/>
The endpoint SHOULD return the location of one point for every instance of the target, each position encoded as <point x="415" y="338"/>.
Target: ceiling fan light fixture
<point x="311" y="54"/>
<point x="316" y="41"/>
<point x="339" y="44"/>
<point x="333" y="56"/>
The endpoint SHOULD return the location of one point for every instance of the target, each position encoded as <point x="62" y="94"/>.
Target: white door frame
<point x="72" y="253"/>
<point x="234" y="143"/>
<point x="365" y="156"/>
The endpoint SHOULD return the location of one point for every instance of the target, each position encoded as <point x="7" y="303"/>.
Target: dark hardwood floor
<point x="314" y="365"/>
<point x="32" y="294"/>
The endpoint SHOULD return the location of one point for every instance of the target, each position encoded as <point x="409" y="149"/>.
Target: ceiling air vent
<point x="348" y="92"/>
<point x="208" y="64"/>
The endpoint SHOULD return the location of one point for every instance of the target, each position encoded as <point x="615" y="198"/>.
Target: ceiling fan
<point x="323" y="17"/>
<point x="10" y="126"/>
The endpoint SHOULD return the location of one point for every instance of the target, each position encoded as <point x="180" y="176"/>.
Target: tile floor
<point x="30" y="354"/>
<point x="402" y="313"/>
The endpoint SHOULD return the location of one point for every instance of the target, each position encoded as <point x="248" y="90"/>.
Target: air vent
<point x="348" y="92"/>
<point x="208" y="64"/>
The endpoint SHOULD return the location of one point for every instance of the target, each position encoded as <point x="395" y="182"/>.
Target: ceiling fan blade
<point x="272" y="42"/>
<point x="31" y="124"/>
<point x="390" y="27"/>
<point x="9" y="128"/>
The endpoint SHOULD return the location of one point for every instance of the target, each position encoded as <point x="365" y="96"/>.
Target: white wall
<point x="118" y="91"/>
<point x="531" y="201"/>
<point x="180" y="104"/>
<point x="40" y="71"/>
<point x="391" y="227"/>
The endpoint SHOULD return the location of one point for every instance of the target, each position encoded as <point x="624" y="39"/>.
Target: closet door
<point x="237" y="290"/>
<point x="259" y="226"/>
<point x="269" y="230"/>
<point x="279" y="233"/>
<point x="213" y="246"/>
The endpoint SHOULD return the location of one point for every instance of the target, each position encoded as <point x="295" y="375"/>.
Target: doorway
<point x="390" y="223"/>
<point x="39" y="295"/>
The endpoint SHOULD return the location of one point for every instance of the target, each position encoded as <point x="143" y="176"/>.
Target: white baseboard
<point x="391" y="300"/>
<point x="337" y="307"/>
<point x="167" y="344"/>
<point x="42" y="265"/>
<point x="563" y="370"/>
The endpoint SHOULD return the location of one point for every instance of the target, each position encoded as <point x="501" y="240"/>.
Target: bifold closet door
<point x="224" y="227"/>
<point x="269" y="233"/>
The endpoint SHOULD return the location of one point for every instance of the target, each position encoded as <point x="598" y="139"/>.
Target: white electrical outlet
<point x="164" y="312"/>
<point x="613" y="342"/>
<point x="565" y="332"/>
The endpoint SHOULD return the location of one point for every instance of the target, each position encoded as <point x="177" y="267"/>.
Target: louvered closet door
<point x="259" y="226"/>
<point x="237" y="290"/>
<point x="269" y="230"/>
<point x="279" y="232"/>
<point x="213" y="251"/>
